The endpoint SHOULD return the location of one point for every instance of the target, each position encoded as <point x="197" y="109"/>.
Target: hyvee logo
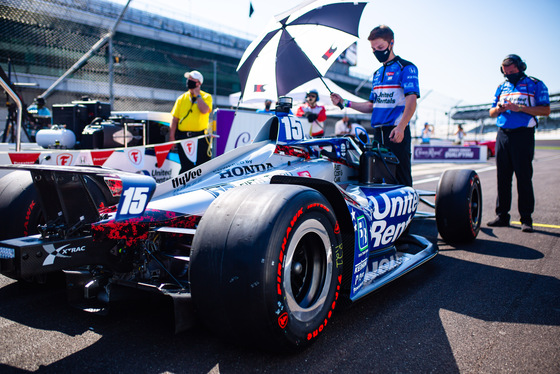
<point x="186" y="177"/>
<point x="61" y="252"/>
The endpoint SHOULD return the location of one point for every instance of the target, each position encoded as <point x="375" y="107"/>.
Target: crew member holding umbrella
<point x="392" y="100"/>
<point x="315" y="114"/>
<point x="190" y="118"/>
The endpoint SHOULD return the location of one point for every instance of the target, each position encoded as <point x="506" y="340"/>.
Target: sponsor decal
<point x="336" y="228"/>
<point x="283" y="320"/>
<point x="64" y="159"/>
<point x="186" y="177"/>
<point x="378" y="227"/>
<point x="190" y="147"/>
<point x="328" y="54"/>
<point x="382" y="233"/>
<point x="304" y="174"/>
<point x="384" y="98"/>
<point x="60" y="252"/>
<point x="242" y="139"/>
<point x="362" y="234"/>
<point x="338" y="172"/>
<point x="24" y="158"/>
<point x="161" y="153"/>
<point x="161" y="176"/>
<point x="382" y="266"/>
<point x="135" y="156"/>
<point x="99" y="157"/>
<point x="446" y="153"/>
<point x="259" y="88"/>
<point x="240" y="171"/>
<point x="343" y="149"/>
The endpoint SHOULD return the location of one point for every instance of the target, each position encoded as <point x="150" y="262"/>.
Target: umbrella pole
<point x="325" y="83"/>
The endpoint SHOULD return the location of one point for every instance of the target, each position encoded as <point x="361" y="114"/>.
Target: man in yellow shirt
<point x="191" y="115"/>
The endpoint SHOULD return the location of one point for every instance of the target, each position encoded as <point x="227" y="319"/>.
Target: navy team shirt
<point x="528" y="92"/>
<point x="391" y="83"/>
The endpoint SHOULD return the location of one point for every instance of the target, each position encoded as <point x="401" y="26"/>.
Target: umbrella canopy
<point x="298" y="95"/>
<point x="297" y="46"/>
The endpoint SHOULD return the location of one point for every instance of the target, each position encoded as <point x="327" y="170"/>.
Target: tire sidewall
<point x="287" y="325"/>
<point x="20" y="212"/>
<point x="454" y="203"/>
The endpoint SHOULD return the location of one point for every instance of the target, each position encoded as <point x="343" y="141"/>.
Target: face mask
<point x="383" y="56"/>
<point x="191" y="84"/>
<point x="514" y="78"/>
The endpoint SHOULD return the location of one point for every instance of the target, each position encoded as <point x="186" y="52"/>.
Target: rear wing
<point x="65" y="194"/>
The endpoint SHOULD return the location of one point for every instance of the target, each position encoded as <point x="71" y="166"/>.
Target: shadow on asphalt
<point x="494" y="248"/>
<point x="398" y="328"/>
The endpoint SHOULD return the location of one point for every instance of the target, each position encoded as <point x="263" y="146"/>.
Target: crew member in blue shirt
<point x="392" y="101"/>
<point x="517" y="103"/>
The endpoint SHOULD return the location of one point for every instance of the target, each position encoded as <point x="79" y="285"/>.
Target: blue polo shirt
<point x="528" y="92"/>
<point x="391" y="83"/>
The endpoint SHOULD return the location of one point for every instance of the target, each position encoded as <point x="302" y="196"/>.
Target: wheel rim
<point x="308" y="270"/>
<point x="475" y="207"/>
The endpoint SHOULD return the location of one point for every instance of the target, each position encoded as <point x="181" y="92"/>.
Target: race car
<point x="262" y="243"/>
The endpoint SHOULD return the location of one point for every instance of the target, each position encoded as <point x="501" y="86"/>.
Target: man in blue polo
<point x="517" y="103"/>
<point x="392" y="100"/>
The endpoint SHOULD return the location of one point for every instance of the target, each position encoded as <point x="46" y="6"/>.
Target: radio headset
<point x="521" y="65"/>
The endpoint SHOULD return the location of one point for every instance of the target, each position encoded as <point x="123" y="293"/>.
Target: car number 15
<point x="292" y="128"/>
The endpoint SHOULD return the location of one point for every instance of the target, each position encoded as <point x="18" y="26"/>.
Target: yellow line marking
<point x="539" y="225"/>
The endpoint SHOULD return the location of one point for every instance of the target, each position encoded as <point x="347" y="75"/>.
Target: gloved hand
<point x="311" y="117"/>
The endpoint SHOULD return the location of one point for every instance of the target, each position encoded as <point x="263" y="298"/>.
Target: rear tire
<point x="20" y="212"/>
<point x="263" y="265"/>
<point x="459" y="206"/>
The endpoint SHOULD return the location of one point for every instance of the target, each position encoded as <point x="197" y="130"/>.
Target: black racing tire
<point x="264" y="266"/>
<point x="20" y="212"/>
<point x="459" y="206"/>
<point x="20" y="209"/>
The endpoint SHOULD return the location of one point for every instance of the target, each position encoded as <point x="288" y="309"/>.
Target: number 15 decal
<point x="135" y="197"/>
<point x="135" y="200"/>
<point x="293" y="130"/>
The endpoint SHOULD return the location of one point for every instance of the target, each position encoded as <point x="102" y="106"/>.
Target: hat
<point x="195" y="74"/>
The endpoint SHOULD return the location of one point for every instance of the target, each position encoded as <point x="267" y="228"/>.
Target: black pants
<point x="401" y="150"/>
<point x="201" y="151"/>
<point x="515" y="150"/>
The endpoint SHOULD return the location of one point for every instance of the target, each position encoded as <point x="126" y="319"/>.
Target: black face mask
<point x="515" y="77"/>
<point x="382" y="56"/>
<point x="191" y="84"/>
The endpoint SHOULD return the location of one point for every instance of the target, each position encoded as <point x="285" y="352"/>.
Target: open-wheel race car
<point x="263" y="242"/>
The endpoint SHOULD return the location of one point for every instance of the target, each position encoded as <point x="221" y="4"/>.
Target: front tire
<point x="459" y="206"/>
<point x="264" y="265"/>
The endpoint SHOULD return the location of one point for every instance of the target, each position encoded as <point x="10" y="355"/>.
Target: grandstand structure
<point x="142" y="64"/>
<point x="479" y="121"/>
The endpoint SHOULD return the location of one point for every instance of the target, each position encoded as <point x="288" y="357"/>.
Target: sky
<point x="457" y="46"/>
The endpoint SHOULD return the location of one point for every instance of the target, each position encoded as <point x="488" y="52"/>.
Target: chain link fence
<point x="41" y="39"/>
